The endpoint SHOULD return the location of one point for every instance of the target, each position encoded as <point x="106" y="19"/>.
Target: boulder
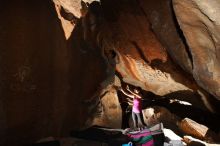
<point x="157" y="114"/>
<point x="109" y="114"/>
<point x="193" y="128"/>
<point x="190" y="127"/>
<point x="200" y="23"/>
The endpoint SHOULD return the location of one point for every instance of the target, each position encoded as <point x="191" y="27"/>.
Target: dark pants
<point x="139" y="121"/>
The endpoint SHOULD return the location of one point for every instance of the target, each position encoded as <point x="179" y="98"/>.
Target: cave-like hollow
<point x="62" y="62"/>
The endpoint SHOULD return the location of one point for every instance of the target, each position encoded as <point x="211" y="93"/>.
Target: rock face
<point x="163" y="23"/>
<point x="110" y="114"/>
<point x="199" y="21"/>
<point x="58" y="64"/>
<point x="70" y="11"/>
<point x="154" y="115"/>
<point x="141" y="59"/>
<point x="193" y="128"/>
<point x="197" y="130"/>
<point x="45" y="77"/>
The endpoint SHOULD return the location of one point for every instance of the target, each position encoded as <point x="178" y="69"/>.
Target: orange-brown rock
<point x="163" y="23"/>
<point x="199" y="21"/>
<point x="140" y="56"/>
<point x="110" y="114"/>
<point x="193" y="128"/>
<point x="190" y="127"/>
<point x="157" y="114"/>
<point x="70" y="11"/>
<point x="141" y="59"/>
<point x="73" y="6"/>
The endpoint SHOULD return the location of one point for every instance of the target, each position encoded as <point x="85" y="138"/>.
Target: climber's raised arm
<point x="134" y="93"/>
<point x="125" y="93"/>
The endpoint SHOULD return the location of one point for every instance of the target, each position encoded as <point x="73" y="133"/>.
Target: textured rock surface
<point x="73" y="6"/>
<point x="192" y="128"/>
<point x="158" y="114"/>
<point x="70" y="11"/>
<point x="141" y="59"/>
<point x="44" y="77"/>
<point x="200" y="23"/>
<point x="163" y="23"/>
<point x="110" y="114"/>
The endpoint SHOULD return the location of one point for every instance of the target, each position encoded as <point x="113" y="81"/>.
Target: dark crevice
<point x="201" y="116"/>
<point x="142" y="10"/>
<point x="181" y="35"/>
<point x="197" y="114"/>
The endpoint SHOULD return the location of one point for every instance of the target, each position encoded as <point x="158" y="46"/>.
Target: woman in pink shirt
<point x="137" y="106"/>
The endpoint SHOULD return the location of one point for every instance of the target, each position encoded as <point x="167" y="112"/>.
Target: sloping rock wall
<point x="199" y="21"/>
<point x="141" y="59"/>
<point x="163" y="22"/>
